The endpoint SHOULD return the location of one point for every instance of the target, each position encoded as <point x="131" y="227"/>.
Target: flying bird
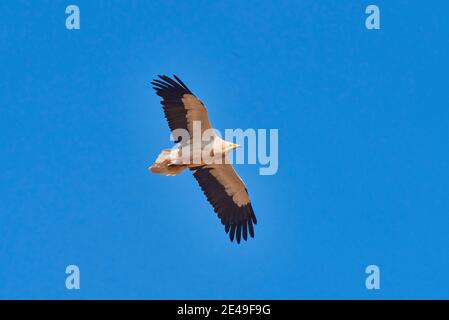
<point x="222" y="186"/>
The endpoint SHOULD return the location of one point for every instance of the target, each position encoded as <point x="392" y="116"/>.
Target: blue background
<point x="363" y="149"/>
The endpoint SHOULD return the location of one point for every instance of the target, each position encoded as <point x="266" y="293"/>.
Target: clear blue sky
<point x="363" y="174"/>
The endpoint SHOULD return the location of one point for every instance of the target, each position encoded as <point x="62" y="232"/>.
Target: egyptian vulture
<point x="223" y="187"/>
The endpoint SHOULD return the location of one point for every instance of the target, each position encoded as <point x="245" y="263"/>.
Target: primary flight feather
<point x="223" y="187"/>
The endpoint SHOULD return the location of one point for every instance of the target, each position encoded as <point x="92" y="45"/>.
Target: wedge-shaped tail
<point x="167" y="163"/>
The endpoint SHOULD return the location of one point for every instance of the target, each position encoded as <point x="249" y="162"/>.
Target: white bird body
<point x="206" y="158"/>
<point x="171" y="162"/>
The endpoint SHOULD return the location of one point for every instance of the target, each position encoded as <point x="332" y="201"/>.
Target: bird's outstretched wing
<point x="226" y="192"/>
<point x="180" y="105"/>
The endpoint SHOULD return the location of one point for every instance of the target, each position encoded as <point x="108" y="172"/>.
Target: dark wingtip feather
<point x="172" y="82"/>
<point x="182" y="83"/>
<point x="232" y="232"/>
<point x="245" y="231"/>
<point x="253" y="216"/>
<point x="239" y="233"/>
<point x="251" y="228"/>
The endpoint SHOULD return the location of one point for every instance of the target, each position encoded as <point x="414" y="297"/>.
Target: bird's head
<point x="229" y="146"/>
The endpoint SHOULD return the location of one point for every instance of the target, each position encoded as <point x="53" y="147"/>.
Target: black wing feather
<point x="171" y="93"/>
<point x="236" y="220"/>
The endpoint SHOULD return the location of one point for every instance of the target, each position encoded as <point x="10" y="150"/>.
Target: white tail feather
<point x="167" y="163"/>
